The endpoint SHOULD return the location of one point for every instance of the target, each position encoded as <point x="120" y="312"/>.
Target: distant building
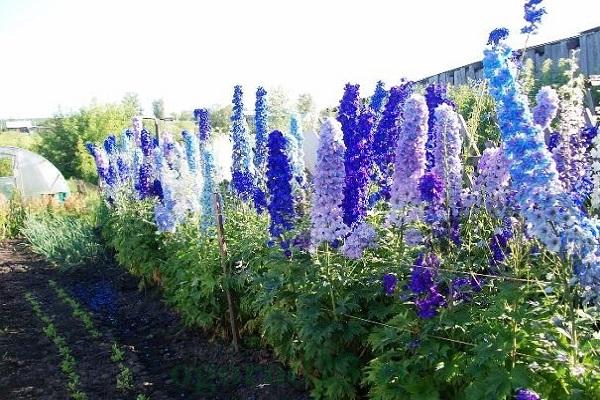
<point x="24" y="126"/>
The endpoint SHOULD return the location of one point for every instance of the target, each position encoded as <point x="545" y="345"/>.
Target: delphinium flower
<point x="122" y="168"/>
<point x="349" y="111"/>
<point x="209" y="187"/>
<point x="499" y="247"/>
<point x="186" y="184"/>
<point x="378" y="98"/>
<point x="100" y="159"/>
<point x="297" y="146"/>
<point x="546" y="107"/>
<point x="144" y="181"/>
<point x="548" y="210"/>
<point x="386" y="137"/>
<point x="137" y="126"/>
<point x="362" y="237"/>
<point x="279" y="185"/>
<point x="448" y="145"/>
<point x="533" y="16"/>
<point x="588" y="135"/>
<point x="191" y="151"/>
<point x="164" y="218"/>
<point x="570" y="152"/>
<point x="435" y="95"/>
<point x="327" y="223"/>
<point x="164" y="208"/>
<point x="497" y="35"/>
<point x="595" y="171"/>
<point x="348" y="115"/>
<point x="427" y="297"/>
<point x="110" y="145"/>
<point x="168" y="148"/>
<point x="491" y="186"/>
<point x="202" y="117"/>
<point x="526" y="394"/>
<point x="431" y="188"/>
<point x="146" y="142"/>
<point x="410" y="162"/>
<point x="358" y="165"/>
<point x="462" y="288"/>
<point x="261" y="120"/>
<point x="242" y="168"/>
<point x="389" y="284"/>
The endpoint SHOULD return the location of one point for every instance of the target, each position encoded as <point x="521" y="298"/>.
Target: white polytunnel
<point x="32" y="175"/>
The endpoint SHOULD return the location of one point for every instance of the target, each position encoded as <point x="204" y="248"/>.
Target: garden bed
<point x="166" y="360"/>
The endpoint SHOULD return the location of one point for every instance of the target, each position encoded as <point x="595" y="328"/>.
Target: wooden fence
<point x="588" y="42"/>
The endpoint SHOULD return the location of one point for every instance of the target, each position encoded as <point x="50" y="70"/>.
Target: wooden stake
<point x="224" y="258"/>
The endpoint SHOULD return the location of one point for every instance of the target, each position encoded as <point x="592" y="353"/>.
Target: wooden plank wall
<point x="588" y="42"/>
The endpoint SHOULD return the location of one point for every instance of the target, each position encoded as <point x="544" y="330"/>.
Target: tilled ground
<point x="167" y="360"/>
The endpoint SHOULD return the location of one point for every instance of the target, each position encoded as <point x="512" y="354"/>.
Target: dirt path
<point x="166" y="361"/>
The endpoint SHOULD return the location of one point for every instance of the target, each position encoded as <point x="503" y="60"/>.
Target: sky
<point x="61" y="54"/>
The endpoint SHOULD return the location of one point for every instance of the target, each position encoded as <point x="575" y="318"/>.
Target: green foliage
<point x="125" y="379"/>
<point x="475" y="104"/>
<point x="117" y="355"/>
<point x="131" y="232"/>
<point x="6" y="167"/>
<point x="65" y="240"/>
<point x="328" y="318"/>
<point x="12" y="216"/>
<point x="220" y="118"/>
<point x="27" y="141"/>
<point x="63" y="142"/>
<point x="517" y="332"/>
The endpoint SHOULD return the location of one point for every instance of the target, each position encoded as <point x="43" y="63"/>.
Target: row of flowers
<point x="399" y="153"/>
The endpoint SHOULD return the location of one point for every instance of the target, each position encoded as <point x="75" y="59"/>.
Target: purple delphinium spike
<point x="261" y="120"/>
<point x="242" y="167"/>
<point x="279" y="184"/>
<point x="386" y="136"/>
<point x="410" y="160"/>
<point x="533" y="16"/>
<point x="327" y="223"/>
<point x="378" y="97"/>
<point x="389" y="284"/>
<point x="546" y="107"/>
<point x="435" y="95"/>
<point x="202" y="117"/>
<point x="358" y="165"/>
<point x="362" y="237"/>
<point x="446" y="153"/>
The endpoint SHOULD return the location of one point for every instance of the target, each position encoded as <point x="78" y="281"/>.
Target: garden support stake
<point x="223" y="252"/>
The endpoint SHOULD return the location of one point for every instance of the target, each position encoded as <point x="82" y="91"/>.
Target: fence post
<point x="224" y="257"/>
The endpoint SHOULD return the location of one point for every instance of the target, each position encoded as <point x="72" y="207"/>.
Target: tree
<point x="220" y="117"/>
<point x="63" y="142"/>
<point x="279" y="114"/>
<point x="131" y="102"/>
<point x="306" y="109"/>
<point x="158" y="108"/>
